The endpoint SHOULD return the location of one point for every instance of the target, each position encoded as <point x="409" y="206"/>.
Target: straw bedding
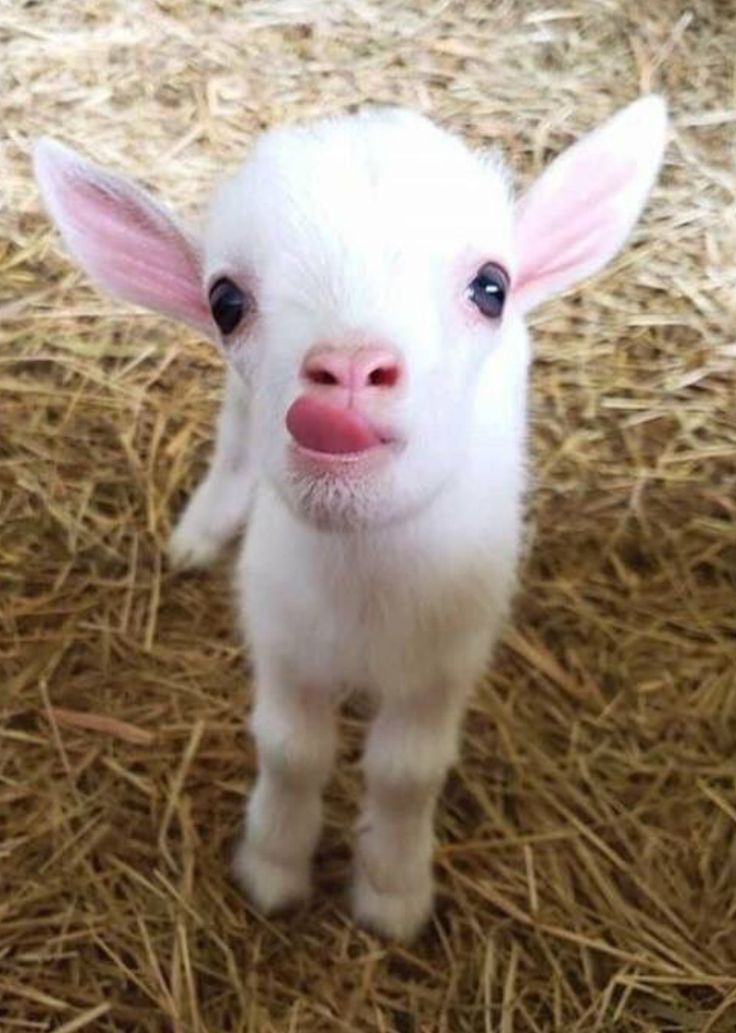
<point x="587" y="857"/>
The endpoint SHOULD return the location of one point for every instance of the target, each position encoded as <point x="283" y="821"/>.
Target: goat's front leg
<point x="411" y="744"/>
<point x="295" y="733"/>
<point x="217" y="510"/>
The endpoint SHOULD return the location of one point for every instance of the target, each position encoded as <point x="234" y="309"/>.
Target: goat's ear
<point x="120" y="236"/>
<point x="582" y="208"/>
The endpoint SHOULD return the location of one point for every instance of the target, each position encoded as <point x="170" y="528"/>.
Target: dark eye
<point x="228" y="304"/>
<point x="489" y="289"/>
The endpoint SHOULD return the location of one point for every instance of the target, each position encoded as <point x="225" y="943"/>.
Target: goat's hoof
<point x="399" y="914"/>
<point x="272" y="886"/>
<point x="190" y="549"/>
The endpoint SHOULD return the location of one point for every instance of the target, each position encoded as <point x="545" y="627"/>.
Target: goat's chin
<point x="331" y="503"/>
<point x="348" y="504"/>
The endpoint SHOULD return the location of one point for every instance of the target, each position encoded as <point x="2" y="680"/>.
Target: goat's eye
<point x="489" y="289"/>
<point x="228" y="304"/>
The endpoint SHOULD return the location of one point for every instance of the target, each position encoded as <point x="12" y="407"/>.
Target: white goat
<point x="366" y="278"/>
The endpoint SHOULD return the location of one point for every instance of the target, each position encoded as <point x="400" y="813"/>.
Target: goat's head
<point x="364" y="274"/>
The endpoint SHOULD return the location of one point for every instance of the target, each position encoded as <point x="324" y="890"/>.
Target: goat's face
<point x="360" y="271"/>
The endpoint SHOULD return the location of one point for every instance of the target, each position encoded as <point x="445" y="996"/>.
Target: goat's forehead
<point x="358" y="185"/>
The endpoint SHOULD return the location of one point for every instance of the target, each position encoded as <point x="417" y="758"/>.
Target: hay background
<point x="587" y="859"/>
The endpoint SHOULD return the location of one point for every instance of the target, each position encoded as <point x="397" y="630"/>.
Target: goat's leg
<point x="410" y="746"/>
<point x="295" y="731"/>
<point x="218" y="508"/>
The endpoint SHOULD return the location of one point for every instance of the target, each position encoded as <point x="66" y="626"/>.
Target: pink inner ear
<point x="565" y="247"/>
<point x="132" y="249"/>
<point x="568" y="228"/>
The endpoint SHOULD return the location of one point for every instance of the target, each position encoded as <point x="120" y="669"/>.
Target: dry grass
<point x="587" y="861"/>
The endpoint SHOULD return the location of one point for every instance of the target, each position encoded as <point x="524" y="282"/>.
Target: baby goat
<point x="366" y="279"/>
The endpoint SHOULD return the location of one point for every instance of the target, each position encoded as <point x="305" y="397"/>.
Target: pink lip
<point x="344" y="464"/>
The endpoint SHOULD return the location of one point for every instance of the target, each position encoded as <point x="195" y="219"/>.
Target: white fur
<point x="368" y="228"/>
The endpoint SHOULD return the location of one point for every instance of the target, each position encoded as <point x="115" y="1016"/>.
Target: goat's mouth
<point x="311" y="462"/>
<point x="327" y="438"/>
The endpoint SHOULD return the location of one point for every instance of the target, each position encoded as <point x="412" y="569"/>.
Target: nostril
<point x="321" y="376"/>
<point x="352" y="369"/>
<point x="327" y="368"/>
<point x="384" y="376"/>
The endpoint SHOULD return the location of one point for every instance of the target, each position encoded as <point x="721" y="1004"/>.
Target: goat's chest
<point x="366" y="613"/>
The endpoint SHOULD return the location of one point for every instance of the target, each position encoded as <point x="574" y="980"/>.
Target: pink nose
<point x="352" y="370"/>
<point x="330" y="416"/>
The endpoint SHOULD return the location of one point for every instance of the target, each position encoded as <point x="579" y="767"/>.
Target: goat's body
<point x="377" y="610"/>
